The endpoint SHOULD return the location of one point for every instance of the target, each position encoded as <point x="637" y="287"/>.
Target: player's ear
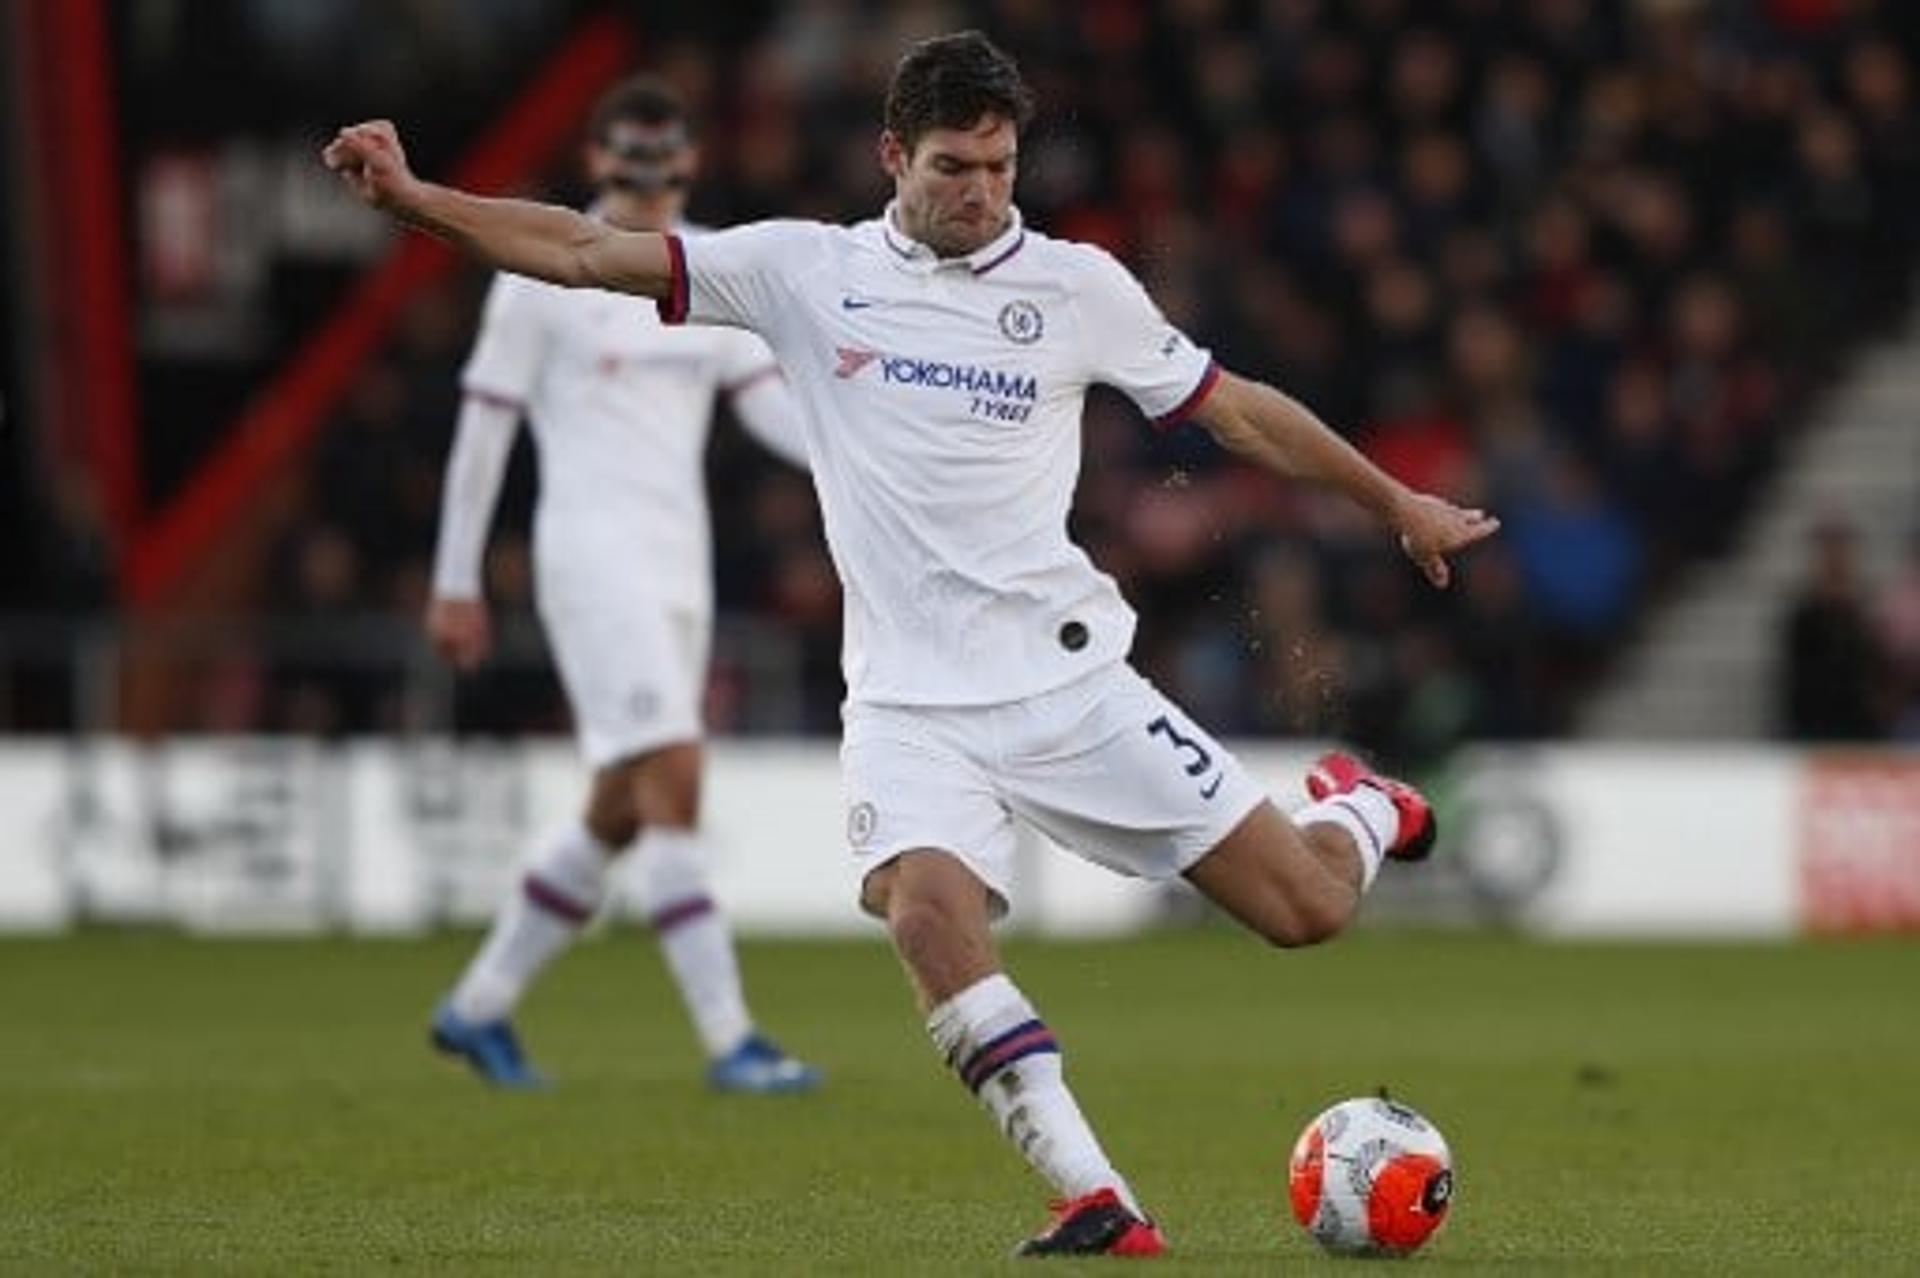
<point x="893" y="156"/>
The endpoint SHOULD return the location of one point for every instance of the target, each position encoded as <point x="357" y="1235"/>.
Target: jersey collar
<point x="915" y="256"/>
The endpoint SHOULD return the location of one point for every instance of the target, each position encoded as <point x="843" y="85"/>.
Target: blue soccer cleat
<point x="488" y="1046"/>
<point x="759" y="1066"/>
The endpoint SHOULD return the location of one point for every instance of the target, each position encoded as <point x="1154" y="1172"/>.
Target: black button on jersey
<point x="1073" y="636"/>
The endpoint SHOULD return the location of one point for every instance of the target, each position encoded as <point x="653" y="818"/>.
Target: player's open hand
<point x="460" y="631"/>
<point x="370" y="159"/>
<point x="1432" y="528"/>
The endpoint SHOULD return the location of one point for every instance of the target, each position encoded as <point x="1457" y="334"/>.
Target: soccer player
<point x="620" y="406"/>
<point x="941" y="353"/>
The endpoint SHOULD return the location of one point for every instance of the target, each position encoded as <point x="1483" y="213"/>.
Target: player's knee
<point x="1289" y="934"/>
<point x="677" y="809"/>
<point x="923" y="927"/>
<point x="613" y="835"/>
<point x="666" y="788"/>
<point x="1304" y="922"/>
<point x="876" y="891"/>
<point x="612" y="815"/>
<point x="1322" y="919"/>
<point x="612" y="825"/>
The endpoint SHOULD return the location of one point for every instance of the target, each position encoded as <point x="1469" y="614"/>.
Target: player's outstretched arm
<point x="1282" y="434"/>
<point x="541" y="240"/>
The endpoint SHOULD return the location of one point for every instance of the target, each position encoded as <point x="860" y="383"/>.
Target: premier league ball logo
<point x="1021" y="323"/>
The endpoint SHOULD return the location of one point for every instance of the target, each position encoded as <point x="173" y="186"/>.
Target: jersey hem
<point x="907" y="701"/>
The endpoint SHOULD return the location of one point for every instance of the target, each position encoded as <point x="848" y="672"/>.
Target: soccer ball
<point x="1370" y="1176"/>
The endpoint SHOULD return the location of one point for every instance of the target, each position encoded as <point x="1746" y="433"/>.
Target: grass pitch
<point x="270" y="1107"/>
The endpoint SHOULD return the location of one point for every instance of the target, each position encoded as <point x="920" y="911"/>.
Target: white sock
<point x="671" y="880"/>
<point x="563" y="887"/>
<point x="1369" y="818"/>
<point x="1006" y="1055"/>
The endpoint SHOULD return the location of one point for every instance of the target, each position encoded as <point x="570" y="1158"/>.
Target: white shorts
<point x="634" y="669"/>
<point x="1106" y="766"/>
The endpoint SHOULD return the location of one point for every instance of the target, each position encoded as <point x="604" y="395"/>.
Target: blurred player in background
<point x="620" y="407"/>
<point x="941" y="354"/>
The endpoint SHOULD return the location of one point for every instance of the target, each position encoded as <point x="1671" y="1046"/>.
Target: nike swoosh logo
<point x="1208" y="791"/>
<point x="854" y="303"/>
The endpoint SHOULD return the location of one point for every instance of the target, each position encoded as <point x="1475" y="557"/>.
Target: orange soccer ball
<point x="1370" y="1176"/>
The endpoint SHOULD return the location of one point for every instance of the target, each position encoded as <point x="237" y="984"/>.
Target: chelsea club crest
<point x="1021" y="322"/>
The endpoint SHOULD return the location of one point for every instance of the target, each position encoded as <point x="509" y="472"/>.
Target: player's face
<point x="955" y="187"/>
<point x="643" y="171"/>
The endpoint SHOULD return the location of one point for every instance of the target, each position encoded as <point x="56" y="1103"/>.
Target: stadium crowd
<point x="1582" y="262"/>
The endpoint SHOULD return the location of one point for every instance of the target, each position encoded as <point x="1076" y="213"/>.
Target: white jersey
<point x="620" y="407"/>
<point x="941" y="400"/>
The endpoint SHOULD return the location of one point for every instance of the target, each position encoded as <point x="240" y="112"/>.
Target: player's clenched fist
<point x="369" y="158"/>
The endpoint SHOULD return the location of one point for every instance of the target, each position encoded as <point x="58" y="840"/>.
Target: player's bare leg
<point x="658" y="788"/>
<point x="562" y="889"/>
<point x="651" y="801"/>
<point x="670" y="877"/>
<point x="565" y="884"/>
<point x="1289" y="885"/>
<point x="939" y="915"/>
<point x="1298" y="880"/>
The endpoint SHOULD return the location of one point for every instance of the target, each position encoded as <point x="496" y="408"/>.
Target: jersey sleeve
<point x="1131" y="347"/>
<point x="471" y="487"/>
<point x="739" y="276"/>
<point x="750" y="378"/>
<point x="506" y="356"/>
<point x="742" y="359"/>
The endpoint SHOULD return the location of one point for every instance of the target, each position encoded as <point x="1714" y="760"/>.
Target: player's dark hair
<point x="638" y="99"/>
<point x="951" y="82"/>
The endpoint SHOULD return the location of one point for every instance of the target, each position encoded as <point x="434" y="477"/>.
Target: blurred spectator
<point x="1642" y="469"/>
<point x="321" y="686"/>
<point x="1831" y="666"/>
<point x="1898" y="615"/>
<point x="1579" y="555"/>
<point x="1297" y="657"/>
<point x="1502" y="651"/>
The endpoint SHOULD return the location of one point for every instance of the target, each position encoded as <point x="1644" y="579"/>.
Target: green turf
<point x="267" y="1107"/>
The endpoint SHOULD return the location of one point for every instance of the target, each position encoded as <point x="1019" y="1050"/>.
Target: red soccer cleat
<point x="1337" y="773"/>
<point x="1096" y="1224"/>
